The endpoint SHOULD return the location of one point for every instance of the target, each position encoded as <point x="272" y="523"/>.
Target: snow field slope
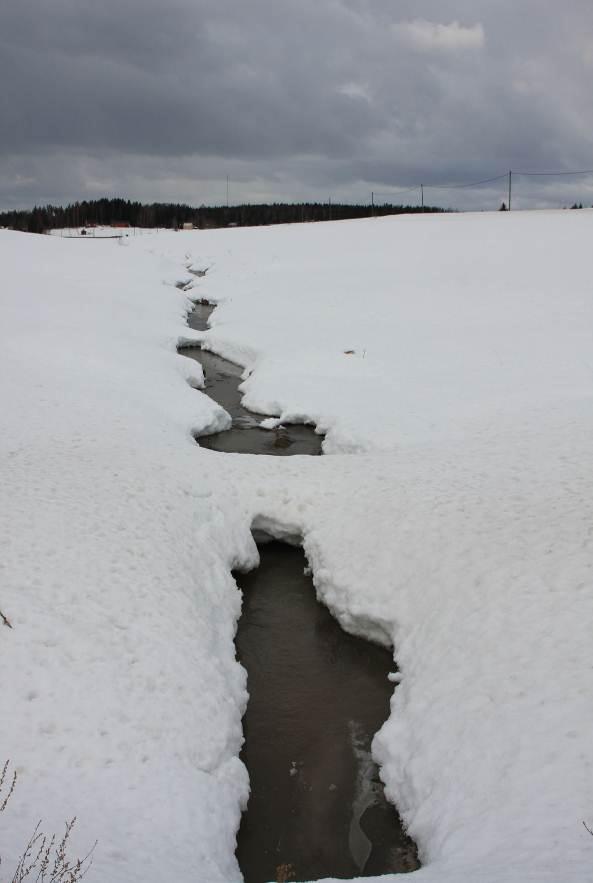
<point x="121" y="699"/>
<point x="463" y="535"/>
<point x="461" y="531"/>
<point x="457" y="322"/>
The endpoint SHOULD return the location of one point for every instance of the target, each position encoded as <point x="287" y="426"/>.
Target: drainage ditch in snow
<point x="222" y="379"/>
<point x="317" y="695"/>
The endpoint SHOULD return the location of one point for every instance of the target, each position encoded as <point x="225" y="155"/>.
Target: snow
<point x="452" y="521"/>
<point x="115" y="574"/>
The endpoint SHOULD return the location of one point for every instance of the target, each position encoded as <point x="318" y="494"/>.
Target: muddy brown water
<point x="222" y="379"/>
<point x="317" y="696"/>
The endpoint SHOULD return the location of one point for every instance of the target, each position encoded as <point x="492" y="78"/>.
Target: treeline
<point x="173" y="215"/>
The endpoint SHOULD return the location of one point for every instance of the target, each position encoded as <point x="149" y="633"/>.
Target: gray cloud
<point x="294" y="100"/>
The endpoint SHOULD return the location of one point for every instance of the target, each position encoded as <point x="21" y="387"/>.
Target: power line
<point x="399" y="192"/>
<point x="553" y="174"/>
<point x="483" y="181"/>
<point x="508" y="176"/>
<point x="461" y="186"/>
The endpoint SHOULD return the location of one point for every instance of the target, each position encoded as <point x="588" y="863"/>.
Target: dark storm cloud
<point x="292" y="99"/>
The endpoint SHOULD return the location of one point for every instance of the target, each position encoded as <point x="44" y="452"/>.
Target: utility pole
<point x="510" y="187"/>
<point x="372" y="203"/>
<point x="329" y="209"/>
<point x="227" y="191"/>
<point x="422" y="195"/>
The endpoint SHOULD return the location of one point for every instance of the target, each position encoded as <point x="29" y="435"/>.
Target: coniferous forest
<point x="135" y="214"/>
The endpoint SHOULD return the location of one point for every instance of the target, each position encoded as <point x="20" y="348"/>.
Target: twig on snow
<point x="5" y="620"/>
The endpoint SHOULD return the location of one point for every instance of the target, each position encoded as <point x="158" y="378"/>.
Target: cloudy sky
<point x="294" y="99"/>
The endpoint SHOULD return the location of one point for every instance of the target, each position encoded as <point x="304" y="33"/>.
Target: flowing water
<point x="317" y="695"/>
<point x="222" y="380"/>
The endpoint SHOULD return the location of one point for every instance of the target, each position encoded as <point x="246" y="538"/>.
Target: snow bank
<point x="454" y="321"/>
<point x="121" y="699"/>
<point x="460" y="532"/>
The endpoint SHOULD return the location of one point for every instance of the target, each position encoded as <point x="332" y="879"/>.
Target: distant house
<point x="119" y="224"/>
<point x="188" y="225"/>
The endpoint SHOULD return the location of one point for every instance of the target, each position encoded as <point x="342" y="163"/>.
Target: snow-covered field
<point x="453" y="518"/>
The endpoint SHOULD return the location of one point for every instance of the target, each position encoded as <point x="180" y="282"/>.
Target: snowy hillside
<point x="449" y="360"/>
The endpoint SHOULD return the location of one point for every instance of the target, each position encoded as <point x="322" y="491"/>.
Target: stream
<point x="222" y="379"/>
<point x="317" y="695"/>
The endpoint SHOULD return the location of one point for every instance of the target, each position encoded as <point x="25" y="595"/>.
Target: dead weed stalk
<point x="44" y="858"/>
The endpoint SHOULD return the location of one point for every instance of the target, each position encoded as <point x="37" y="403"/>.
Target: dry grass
<point x="45" y="858"/>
